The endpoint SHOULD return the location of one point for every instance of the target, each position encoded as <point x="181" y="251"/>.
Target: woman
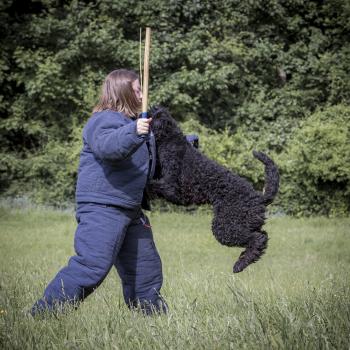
<point x="112" y="229"/>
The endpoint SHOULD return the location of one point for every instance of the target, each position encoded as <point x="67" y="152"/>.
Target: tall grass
<point x="296" y="297"/>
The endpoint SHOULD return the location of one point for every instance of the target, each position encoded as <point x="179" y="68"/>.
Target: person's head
<point x="121" y="92"/>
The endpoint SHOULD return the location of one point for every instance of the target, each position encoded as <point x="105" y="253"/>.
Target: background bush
<point x="268" y="75"/>
<point x="316" y="164"/>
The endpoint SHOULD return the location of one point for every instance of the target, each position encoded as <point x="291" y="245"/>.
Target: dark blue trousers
<point x="109" y="236"/>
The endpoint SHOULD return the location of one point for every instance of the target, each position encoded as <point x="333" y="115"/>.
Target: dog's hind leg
<point x="255" y="249"/>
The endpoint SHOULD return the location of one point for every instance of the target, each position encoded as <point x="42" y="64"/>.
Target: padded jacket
<point x="114" y="161"/>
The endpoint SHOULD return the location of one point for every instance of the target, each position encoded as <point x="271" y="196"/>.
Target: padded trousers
<point x="109" y="236"/>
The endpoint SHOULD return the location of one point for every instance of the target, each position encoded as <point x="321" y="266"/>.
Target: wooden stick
<point x="140" y="59"/>
<point x="146" y="72"/>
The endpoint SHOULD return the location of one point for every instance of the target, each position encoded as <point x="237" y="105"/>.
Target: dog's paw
<point x="155" y="186"/>
<point x="239" y="266"/>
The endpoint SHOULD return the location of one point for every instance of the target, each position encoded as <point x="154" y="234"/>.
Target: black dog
<point x="185" y="176"/>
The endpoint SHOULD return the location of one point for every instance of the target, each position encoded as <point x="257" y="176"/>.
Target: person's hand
<point x="142" y="126"/>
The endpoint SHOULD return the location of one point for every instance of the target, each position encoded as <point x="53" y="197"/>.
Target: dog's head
<point x="163" y="124"/>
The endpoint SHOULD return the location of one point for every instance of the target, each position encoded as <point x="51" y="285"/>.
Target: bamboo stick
<point x="146" y="72"/>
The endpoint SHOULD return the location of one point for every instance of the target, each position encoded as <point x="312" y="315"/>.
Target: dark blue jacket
<point x="114" y="161"/>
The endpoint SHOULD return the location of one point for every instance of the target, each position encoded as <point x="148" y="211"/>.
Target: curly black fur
<point x="185" y="176"/>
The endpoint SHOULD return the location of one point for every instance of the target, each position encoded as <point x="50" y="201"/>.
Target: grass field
<point x="296" y="297"/>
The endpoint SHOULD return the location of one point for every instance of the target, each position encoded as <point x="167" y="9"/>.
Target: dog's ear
<point x="157" y="110"/>
<point x="153" y="110"/>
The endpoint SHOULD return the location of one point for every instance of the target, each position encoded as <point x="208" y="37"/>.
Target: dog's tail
<point x="272" y="177"/>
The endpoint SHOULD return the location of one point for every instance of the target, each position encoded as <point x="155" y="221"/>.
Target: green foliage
<point x="53" y="172"/>
<point x="316" y="165"/>
<point x="48" y="177"/>
<point x="252" y="72"/>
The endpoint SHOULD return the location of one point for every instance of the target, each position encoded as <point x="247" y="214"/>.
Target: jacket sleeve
<point x="109" y="139"/>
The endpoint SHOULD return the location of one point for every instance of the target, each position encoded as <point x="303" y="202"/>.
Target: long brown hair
<point x="117" y="93"/>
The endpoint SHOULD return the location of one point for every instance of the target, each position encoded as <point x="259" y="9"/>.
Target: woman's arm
<point x="109" y="139"/>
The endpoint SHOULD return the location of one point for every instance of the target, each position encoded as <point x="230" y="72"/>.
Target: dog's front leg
<point x="167" y="188"/>
<point x="171" y="162"/>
